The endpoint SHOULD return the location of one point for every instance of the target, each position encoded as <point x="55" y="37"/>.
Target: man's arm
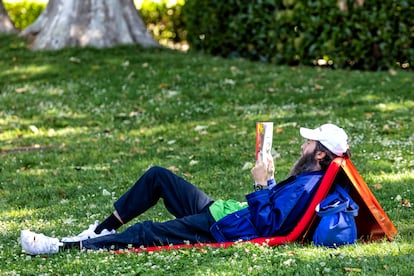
<point x="278" y="210"/>
<point x="263" y="176"/>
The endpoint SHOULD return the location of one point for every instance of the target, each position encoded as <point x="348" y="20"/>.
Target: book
<point x="264" y="139"/>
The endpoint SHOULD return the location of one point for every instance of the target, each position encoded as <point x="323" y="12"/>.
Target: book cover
<point x="264" y="139"/>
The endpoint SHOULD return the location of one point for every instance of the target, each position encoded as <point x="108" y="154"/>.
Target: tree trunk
<point x="6" y="25"/>
<point x="96" y="23"/>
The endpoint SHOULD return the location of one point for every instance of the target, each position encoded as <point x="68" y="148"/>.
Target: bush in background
<point x="233" y="28"/>
<point x="23" y="13"/>
<point x="354" y="34"/>
<point x="164" y="20"/>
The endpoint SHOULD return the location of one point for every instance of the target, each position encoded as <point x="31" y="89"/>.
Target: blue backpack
<point x="337" y="226"/>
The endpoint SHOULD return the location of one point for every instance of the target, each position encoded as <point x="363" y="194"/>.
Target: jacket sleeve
<point x="269" y="211"/>
<point x="278" y="210"/>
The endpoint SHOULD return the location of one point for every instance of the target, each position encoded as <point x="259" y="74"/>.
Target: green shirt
<point x="221" y="208"/>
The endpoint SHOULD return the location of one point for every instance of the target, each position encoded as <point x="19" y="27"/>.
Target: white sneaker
<point x="88" y="234"/>
<point x="35" y="244"/>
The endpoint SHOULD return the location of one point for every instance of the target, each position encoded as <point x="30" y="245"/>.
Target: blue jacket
<point x="270" y="212"/>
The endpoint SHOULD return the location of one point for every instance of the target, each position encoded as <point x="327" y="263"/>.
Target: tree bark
<point x="96" y="23"/>
<point x="6" y="25"/>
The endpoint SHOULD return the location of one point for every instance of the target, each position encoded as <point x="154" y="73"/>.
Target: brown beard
<point x="306" y="163"/>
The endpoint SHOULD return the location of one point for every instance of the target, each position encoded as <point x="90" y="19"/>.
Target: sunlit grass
<point x="75" y="135"/>
<point x="25" y="71"/>
<point x="403" y="175"/>
<point x="407" y="105"/>
<point x="16" y="213"/>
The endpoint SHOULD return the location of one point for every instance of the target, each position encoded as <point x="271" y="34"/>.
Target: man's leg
<point x="181" y="198"/>
<point x="192" y="229"/>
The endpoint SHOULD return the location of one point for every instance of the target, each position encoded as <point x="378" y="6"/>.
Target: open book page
<point x="264" y="137"/>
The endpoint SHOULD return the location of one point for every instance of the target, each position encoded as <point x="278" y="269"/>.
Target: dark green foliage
<point x="231" y="28"/>
<point x="371" y="35"/>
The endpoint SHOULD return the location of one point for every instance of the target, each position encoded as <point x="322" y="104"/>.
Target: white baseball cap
<point x="331" y="136"/>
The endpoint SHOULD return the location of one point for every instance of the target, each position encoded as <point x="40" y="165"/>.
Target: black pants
<point x="182" y="199"/>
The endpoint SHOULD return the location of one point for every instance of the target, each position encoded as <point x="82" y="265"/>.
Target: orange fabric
<point x="372" y="221"/>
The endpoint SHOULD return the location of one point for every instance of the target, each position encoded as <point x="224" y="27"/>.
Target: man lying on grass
<point x="272" y="209"/>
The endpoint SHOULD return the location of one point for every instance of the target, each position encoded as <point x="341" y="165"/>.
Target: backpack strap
<point x="338" y="201"/>
<point x="330" y="205"/>
<point x="353" y="208"/>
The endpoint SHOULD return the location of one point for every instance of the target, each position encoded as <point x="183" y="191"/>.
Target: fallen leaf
<point x="193" y="162"/>
<point x="229" y="81"/>
<point x="74" y="60"/>
<point x="187" y="175"/>
<point x="34" y="129"/>
<point x="21" y="90"/>
<point x="130" y="75"/>
<point x="288" y="262"/>
<point x="164" y="85"/>
<point x="368" y="115"/>
<point x="171" y="93"/>
<point x="392" y="72"/>
<point x="200" y="128"/>
<point x="61" y="192"/>
<point x="352" y="269"/>
<point x="406" y="203"/>
<point x="173" y="168"/>
<point x="317" y="87"/>
<point x="69" y="221"/>
<point x="377" y="186"/>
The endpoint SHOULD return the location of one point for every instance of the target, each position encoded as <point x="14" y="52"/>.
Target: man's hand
<point x="270" y="168"/>
<point x="259" y="173"/>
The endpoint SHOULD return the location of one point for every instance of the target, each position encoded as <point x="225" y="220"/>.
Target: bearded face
<point x="306" y="163"/>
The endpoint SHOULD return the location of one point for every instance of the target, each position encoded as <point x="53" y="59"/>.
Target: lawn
<point x="79" y="126"/>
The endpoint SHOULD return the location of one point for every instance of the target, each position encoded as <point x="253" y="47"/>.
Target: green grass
<point x="102" y="117"/>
